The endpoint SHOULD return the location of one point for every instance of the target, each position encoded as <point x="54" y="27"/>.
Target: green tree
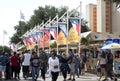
<point x="41" y="14"/>
<point x="84" y="27"/>
<point x="53" y="45"/>
<point x="84" y="41"/>
<point x="5" y="49"/>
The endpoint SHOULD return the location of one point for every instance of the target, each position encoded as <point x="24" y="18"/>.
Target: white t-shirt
<point x="52" y="63"/>
<point x="26" y="61"/>
<point x="102" y="61"/>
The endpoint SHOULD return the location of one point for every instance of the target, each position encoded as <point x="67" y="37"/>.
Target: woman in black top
<point x="64" y="65"/>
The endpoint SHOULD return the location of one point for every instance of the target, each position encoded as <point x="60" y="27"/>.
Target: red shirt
<point x="14" y="60"/>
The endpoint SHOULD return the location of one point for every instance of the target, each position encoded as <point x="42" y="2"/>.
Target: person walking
<point x="77" y="65"/>
<point x="64" y="65"/>
<point x="34" y="63"/>
<point x="14" y="65"/>
<point x="103" y="67"/>
<point x="25" y="64"/>
<point x="8" y="69"/>
<point x="19" y="66"/>
<point x="71" y="63"/>
<point x="43" y="63"/>
<point x="54" y="66"/>
<point x="3" y="62"/>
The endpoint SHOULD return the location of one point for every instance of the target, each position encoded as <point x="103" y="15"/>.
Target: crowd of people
<point x="36" y="64"/>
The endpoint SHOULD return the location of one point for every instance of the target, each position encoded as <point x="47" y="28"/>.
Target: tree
<point x="53" y="45"/>
<point x="5" y="49"/>
<point x="41" y="14"/>
<point x="84" y="41"/>
<point x="84" y="27"/>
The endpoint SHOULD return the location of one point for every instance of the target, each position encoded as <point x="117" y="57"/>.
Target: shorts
<point x="2" y="68"/>
<point x="103" y="65"/>
<point x="25" y="68"/>
<point x="72" y="67"/>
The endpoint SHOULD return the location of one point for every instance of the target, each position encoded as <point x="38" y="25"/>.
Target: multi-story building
<point x="101" y="15"/>
<point x="92" y="17"/>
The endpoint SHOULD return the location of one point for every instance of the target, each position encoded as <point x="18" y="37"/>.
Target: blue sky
<point x="10" y="12"/>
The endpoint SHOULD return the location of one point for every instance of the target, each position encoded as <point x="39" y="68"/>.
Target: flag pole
<point x="57" y="35"/>
<point x="3" y="40"/>
<point x="80" y="24"/>
<point x="67" y="32"/>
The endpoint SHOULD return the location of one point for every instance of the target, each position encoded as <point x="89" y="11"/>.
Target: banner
<point x="28" y="43"/>
<point x="62" y="34"/>
<point x="46" y="37"/>
<point x="31" y="37"/>
<point x="40" y="39"/>
<point x="73" y="30"/>
<point x="53" y="32"/>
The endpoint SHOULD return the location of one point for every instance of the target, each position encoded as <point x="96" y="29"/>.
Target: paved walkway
<point x="86" y="77"/>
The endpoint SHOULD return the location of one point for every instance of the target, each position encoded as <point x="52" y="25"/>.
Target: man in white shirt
<point x="26" y="64"/>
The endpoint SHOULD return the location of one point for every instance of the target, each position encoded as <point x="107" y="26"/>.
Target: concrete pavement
<point x="86" y="77"/>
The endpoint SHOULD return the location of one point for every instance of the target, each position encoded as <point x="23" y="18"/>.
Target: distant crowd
<point x="38" y="64"/>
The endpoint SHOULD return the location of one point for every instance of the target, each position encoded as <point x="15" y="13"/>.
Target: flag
<point x="73" y="31"/>
<point x="4" y="32"/>
<point x="32" y="39"/>
<point x="46" y="37"/>
<point x="39" y="36"/>
<point x="63" y="28"/>
<point x="22" y="16"/>
<point x="76" y="25"/>
<point x="62" y="34"/>
<point x="14" y="47"/>
<point x="53" y="32"/>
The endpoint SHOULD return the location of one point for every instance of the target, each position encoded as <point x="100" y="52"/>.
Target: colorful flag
<point x="63" y="27"/>
<point x="76" y="25"/>
<point x="14" y="47"/>
<point x="46" y="37"/>
<point x="73" y="31"/>
<point x="32" y="39"/>
<point x="39" y="36"/>
<point x="53" y="32"/>
<point x="62" y="34"/>
<point x="28" y="43"/>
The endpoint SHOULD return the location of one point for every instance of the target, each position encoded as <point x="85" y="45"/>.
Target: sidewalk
<point x="86" y="77"/>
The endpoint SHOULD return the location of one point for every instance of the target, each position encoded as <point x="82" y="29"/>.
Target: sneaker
<point x="69" y="79"/>
<point x="73" y="79"/>
<point x="105" y="80"/>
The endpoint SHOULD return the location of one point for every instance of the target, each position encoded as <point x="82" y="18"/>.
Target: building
<point x="103" y="16"/>
<point x="92" y="17"/>
<point x="99" y="17"/>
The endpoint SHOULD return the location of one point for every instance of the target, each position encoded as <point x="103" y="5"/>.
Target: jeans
<point x="35" y="73"/>
<point x="78" y="70"/>
<point x="43" y="71"/>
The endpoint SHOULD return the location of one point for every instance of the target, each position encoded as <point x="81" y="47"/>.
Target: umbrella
<point x="111" y="46"/>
